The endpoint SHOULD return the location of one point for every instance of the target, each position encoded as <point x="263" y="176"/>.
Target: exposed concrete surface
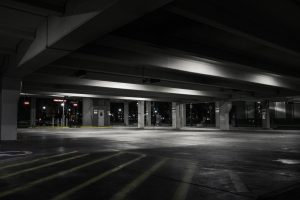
<point x="153" y="164"/>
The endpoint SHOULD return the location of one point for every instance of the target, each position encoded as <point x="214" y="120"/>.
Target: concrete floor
<point x="155" y="164"/>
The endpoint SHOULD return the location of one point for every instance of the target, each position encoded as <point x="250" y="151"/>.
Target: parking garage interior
<point x="150" y="99"/>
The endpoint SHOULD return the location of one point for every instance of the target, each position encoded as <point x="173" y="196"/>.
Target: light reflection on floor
<point x="230" y="162"/>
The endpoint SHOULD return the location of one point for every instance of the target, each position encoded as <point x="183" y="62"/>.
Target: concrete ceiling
<point x="183" y="50"/>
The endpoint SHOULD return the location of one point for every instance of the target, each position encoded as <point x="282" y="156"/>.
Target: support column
<point x="217" y="114"/>
<point x="103" y="112"/>
<point x="148" y="113"/>
<point x="176" y="115"/>
<point x="9" y="96"/>
<point x="266" y="124"/>
<point x="87" y="111"/>
<point x="126" y="113"/>
<point x="63" y="119"/>
<point x="183" y="114"/>
<point x="141" y="114"/>
<point x="33" y="112"/>
<point x="223" y="116"/>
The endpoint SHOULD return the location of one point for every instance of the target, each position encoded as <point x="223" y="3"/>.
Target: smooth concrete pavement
<point x="119" y="163"/>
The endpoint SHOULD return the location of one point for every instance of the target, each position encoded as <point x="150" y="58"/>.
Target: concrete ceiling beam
<point x="132" y="52"/>
<point x="82" y="91"/>
<point x="7" y="51"/>
<point x="133" y="87"/>
<point x="17" y="33"/>
<point x="114" y="67"/>
<point x="35" y="7"/>
<point x="59" y="36"/>
<point x="206" y="14"/>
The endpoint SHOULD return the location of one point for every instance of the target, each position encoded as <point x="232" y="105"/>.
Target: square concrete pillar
<point x="222" y="117"/>
<point x="217" y="114"/>
<point x="87" y="111"/>
<point x="174" y="104"/>
<point x="148" y="113"/>
<point x="33" y="112"/>
<point x="177" y="115"/>
<point x="126" y="113"/>
<point x="96" y="112"/>
<point x="266" y="123"/>
<point x="9" y="96"/>
<point x="103" y="112"/>
<point x="141" y="114"/>
<point x="183" y="114"/>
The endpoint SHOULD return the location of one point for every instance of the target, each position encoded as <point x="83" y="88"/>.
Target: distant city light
<point x="44" y="107"/>
<point x="26" y="102"/>
<point x="75" y="104"/>
<point x="120" y="109"/>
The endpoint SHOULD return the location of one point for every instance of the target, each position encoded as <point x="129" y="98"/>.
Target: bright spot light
<point x="44" y="107"/>
<point x="120" y="109"/>
<point x="62" y="104"/>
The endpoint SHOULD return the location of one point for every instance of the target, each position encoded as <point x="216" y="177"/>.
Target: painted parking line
<point x="183" y="188"/>
<point x="71" y="191"/>
<point x="238" y="183"/>
<point x="53" y="176"/>
<point x="138" y="181"/>
<point x="14" y="153"/>
<point x="41" y="166"/>
<point x="36" y="160"/>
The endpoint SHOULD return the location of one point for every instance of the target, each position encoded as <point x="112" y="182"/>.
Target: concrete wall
<point x="9" y="96"/>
